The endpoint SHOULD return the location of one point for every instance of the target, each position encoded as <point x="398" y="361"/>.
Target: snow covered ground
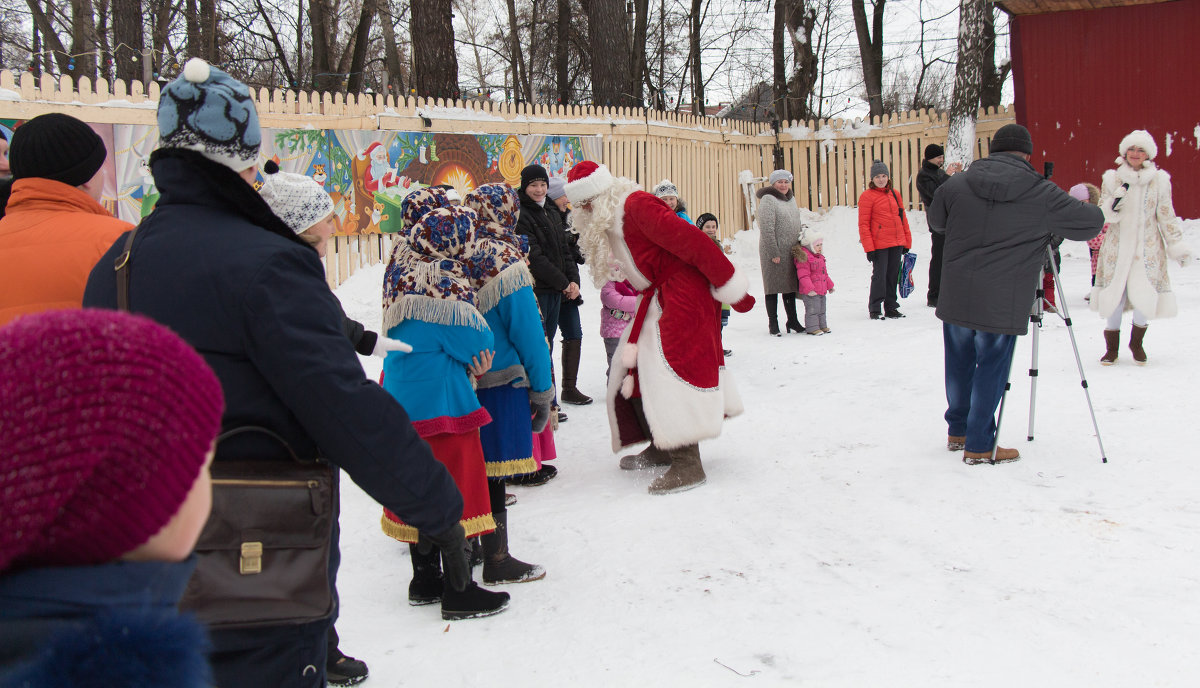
<point x="838" y="542"/>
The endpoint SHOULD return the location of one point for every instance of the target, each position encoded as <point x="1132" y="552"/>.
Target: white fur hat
<point x="812" y="238"/>
<point x="298" y="200"/>
<point x="1139" y="138"/>
<point x="586" y="180"/>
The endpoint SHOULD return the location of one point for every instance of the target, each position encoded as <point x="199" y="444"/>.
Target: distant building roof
<point x="1048" y="6"/>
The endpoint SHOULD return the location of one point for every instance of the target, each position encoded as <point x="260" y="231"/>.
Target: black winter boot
<point x="789" y="307"/>
<point x="570" y="374"/>
<point x="426" y="585"/>
<point x="772" y="301"/>
<point x="473" y="602"/>
<point x="498" y="565"/>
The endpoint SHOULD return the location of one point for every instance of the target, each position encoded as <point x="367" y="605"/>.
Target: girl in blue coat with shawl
<point x="428" y="300"/>
<point x="519" y="383"/>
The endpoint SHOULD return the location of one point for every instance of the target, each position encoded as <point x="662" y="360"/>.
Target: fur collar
<point x="773" y="192"/>
<point x="1132" y="177"/>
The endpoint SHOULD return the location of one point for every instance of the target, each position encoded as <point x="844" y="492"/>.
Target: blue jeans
<point x="977" y="368"/>
<point x="568" y="321"/>
<point x="550" y="305"/>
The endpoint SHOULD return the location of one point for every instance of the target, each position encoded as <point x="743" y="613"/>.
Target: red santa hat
<point x="366" y="153"/>
<point x="587" y="180"/>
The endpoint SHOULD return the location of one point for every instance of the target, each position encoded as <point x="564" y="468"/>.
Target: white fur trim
<point x="590" y="186"/>
<point x="627" y="386"/>
<point x="620" y="250"/>
<point x="1140" y="138"/>
<point x="733" y="290"/>
<point x="197" y="71"/>
<point x="678" y="413"/>
<point x="629" y="355"/>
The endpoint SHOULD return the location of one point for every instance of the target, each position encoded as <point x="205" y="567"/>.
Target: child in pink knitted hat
<point x="107" y="421"/>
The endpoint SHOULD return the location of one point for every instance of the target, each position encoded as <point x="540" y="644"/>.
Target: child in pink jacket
<point x="618" y="303"/>
<point x="814" y="279"/>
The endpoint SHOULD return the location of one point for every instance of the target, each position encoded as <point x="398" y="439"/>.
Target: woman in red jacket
<point x="885" y="236"/>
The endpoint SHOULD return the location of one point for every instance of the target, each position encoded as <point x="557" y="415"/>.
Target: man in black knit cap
<point x="929" y="179"/>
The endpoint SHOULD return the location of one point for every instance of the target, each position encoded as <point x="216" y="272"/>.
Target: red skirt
<point x="543" y="445"/>
<point x="462" y="455"/>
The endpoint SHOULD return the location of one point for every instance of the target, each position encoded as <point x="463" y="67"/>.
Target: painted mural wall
<point x="366" y="172"/>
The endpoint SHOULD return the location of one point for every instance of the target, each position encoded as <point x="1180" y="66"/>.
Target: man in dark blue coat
<point x="998" y="218"/>
<point x="216" y="266"/>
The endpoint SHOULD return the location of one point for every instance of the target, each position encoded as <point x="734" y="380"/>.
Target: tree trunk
<point x="960" y="137"/>
<point x="562" y="62"/>
<point x="993" y="79"/>
<point x="128" y="39"/>
<point x="83" y="40"/>
<point x="610" y="53"/>
<point x="362" y="35"/>
<point x="319" y="19"/>
<point x="697" y="63"/>
<point x="50" y="39"/>
<point x="870" y="50"/>
<point x="522" y="90"/>
<point x="800" y="22"/>
<point x="435" y="65"/>
<point x="779" y="64"/>
<point x="639" y="69"/>
<point x="394" y="64"/>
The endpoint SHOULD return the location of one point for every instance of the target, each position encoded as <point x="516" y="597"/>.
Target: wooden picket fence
<point x="703" y="156"/>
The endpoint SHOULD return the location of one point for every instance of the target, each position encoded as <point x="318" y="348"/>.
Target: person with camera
<point x="998" y="217"/>
<point x="213" y="263"/>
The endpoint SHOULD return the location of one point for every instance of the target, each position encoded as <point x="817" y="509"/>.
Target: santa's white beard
<point x="593" y="226"/>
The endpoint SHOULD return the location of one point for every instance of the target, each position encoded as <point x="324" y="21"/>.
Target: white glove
<point x="384" y="346"/>
<point x="1184" y="260"/>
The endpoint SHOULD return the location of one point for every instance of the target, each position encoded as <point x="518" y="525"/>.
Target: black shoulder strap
<point x="122" y="268"/>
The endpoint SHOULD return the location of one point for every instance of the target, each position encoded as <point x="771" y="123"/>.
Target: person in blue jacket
<point x="429" y="303"/>
<point x="213" y="263"/>
<point x="519" y="384"/>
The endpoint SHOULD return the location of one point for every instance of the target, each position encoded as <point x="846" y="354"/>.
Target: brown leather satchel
<point x="264" y="552"/>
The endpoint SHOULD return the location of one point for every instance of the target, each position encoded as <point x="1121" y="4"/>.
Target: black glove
<point x="870" y="256"/>
<point x="539" y="407"/>
<point x="452" y="543"/>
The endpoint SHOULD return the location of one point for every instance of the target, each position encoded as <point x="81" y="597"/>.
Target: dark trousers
<point x="977" y="368"/>
<point x="550" y="307"/>
<point x="885" y="271"/>
<point x="285" y="656"/>
<point x="935" y="265"/>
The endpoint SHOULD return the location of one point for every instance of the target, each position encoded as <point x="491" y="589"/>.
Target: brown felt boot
<point x="650" y="457"/>
<point x="1135" y="345"/>
<point x="1112" y="343"/>
<point x="1003" y="455"/>
<point x="956" y="442"/>
<point x="570" y="374"/>
<point x="684" y="474"/>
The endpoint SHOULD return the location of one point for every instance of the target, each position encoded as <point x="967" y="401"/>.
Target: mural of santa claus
<point x="379" y="173"/>
<point x="668" y="384"/>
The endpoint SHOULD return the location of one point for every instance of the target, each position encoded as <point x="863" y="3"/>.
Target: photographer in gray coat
<point x="997" y="217"/>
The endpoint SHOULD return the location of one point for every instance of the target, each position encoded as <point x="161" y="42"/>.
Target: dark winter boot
<point x="650" y="457"/>
<point x="684" y="474"/>
<point x="1112" y="343"/>
<point x="473" y="602"/>
<point x="498" y="565"/>
<point x="570" y="373"/>
<point x="789" y="307"/>
<point x="426" y="586"/>
<point x="772" y="301"/>
<point x="341" y="670"/>
<point x="1135" y="345"/>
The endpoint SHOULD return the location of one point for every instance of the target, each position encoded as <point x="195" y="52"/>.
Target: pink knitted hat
<point x="105" y="422"/>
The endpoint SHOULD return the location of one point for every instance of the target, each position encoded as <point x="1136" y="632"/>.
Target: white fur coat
<point x="1143" y="233"/>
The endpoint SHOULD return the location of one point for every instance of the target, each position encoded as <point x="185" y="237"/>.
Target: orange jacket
<point x="880" y="224"/>
<point x="51" y="236"/>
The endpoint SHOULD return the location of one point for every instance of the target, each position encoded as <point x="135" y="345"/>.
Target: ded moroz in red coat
<point x="680" y="369"/>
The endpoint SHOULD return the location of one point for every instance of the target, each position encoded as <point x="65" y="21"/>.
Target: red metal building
<point x="1087" y="72"/>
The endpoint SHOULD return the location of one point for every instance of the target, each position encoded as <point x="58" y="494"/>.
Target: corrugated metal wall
<point x="1085" y="79"/>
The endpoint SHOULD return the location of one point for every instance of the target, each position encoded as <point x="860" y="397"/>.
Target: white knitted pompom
<point x="196" y="71"/>
<point x="629" y="355"/>
<point x="627" y="387"/>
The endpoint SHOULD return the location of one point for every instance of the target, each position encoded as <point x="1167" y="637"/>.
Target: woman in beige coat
<point x="779" y="229"/>
<point x="1143" y="233"/>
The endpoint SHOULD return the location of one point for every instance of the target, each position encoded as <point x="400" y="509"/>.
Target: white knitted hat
<point x="666" y="188"/>
<point x="298" y="200"/>
<point x="1140" y="138"/>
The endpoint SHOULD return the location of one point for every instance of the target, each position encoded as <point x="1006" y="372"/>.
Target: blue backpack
<point x="909" y="261"/>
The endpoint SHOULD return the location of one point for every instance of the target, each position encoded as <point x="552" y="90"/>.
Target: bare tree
<point x="610" y="53"/>
<point x="870" y="48"/>
<point x="801" y="19"/>
<point x="639" y="72"/>
<point x="993" y="79"/>
<point x="562" y="54"/>
<point x="435" y="64"/>
<point x="960" y="138"/>
<point x="362" y="36"/>
<point x="83" y="39"/>
<point x="695" y="57"/>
